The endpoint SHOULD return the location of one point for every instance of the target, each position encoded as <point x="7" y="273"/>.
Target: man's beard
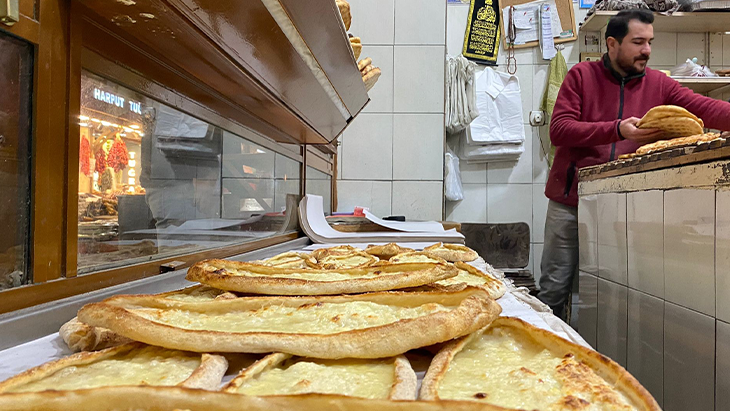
<point x="626" y="63"/>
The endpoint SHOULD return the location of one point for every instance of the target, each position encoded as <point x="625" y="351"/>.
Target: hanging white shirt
<point x="500" y="110"/>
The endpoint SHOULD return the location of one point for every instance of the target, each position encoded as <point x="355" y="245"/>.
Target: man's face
<point x="632" y="54"/>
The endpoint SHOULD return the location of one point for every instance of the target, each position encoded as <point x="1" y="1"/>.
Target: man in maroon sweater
<point x="594" y="121"/>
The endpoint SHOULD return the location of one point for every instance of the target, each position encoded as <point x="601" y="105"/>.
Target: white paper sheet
<point x="409" y="226"/>
<point x="526" y="19"/>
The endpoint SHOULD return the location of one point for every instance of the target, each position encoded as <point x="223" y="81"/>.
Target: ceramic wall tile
<point x="612" y="252"/>
<point x="472" y="209"/>
<point x="645" y="235"/>
<point x="722" y="367"/>
<point x="367" y="15"/>
<point x="588" y="307"/>
<point x="381" y="96"/>
<point x="420" y="22"/>
<point x="367" y="148"/>
<point x="689" y="360"/>
<point x="588" y="234"/>
<point x="419" y="79"/>
<point x="474" y="173"/>
<point x="645" y="336"/>
<point x="689" y="249"/>
<point x="418" y="146"/>
<point x="418" y="200"/>
<point x="456" y="17"/>
<point x="373" y="194"/>
<point x="612" y="316"/>
<point x="509" y="203"/>
<point x="539" y="212"/>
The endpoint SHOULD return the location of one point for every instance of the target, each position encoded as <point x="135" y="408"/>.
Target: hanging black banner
<point x="481" y="41"/>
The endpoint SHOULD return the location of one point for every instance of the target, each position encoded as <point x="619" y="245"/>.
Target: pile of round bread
<point x="336" y="329"/>
<point x="370" y="74"/>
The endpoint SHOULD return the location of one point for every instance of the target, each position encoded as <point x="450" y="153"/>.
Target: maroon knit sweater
<point x="590" y="104"/>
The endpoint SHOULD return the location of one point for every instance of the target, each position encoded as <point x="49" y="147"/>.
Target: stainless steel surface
<point x="645" y="335"/>
<point x="689" y="360"/>
<point x="612" y="320"/>
<point x="645" y="240"/>
<point x="588" y="234"/>
<point x="587" y="310"/>
<point x="689" y="249"/>
<point x="722" y="255"/>
<point x="722" y="388"/>
<point x="25" y="325"/>
<point x="612" y="251"/>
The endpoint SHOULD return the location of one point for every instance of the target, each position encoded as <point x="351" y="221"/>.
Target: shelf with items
<point x="680" y="22"/>
<point x="704" y="85"/>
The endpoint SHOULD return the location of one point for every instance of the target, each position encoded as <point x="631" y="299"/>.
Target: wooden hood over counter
<point x="283" y="68"/>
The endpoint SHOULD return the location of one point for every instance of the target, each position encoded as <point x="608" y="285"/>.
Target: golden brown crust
<point x="452" y="252"/>
<point x="208" y="375"/>
<point x="81" y="337"/>
<point x="371" y="78"/>
<point x="474" y="309"/>
<point x="290" y="259"/>
<point x="176" y="398"/>
<point x="416" y="256"/>
<point x="357" y="259"/>
<point x="344" y="8"/>
<point x="386" y="251"/>
<point x="273" y="281"/>
<point x="362" y="64"/>
<point x="677" y="142"/>
<point x="667" y="111"/>
<point x="403" y="388"/>
<point x="673" y="127"/>
<point x="494" y="287"/>
<point x="337" y="250"/>
<point x="604" y="367"/>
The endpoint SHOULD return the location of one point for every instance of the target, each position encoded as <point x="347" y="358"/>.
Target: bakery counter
<point x="654" y="272"/>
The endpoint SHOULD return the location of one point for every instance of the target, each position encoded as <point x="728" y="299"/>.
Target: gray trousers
<point x="559" y="257"/>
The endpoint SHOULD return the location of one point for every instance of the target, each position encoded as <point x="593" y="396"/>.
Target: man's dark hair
<point x="618" y="26"/>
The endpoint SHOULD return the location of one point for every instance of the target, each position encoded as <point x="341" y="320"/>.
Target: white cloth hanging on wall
<point x="500" y="109"/>
<point x="461" y="106"/>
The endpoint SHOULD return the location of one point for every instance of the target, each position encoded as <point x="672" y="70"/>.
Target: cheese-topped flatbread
<point x="320" y="253"/>
<point x="291" y="259"/>
<point x="129" y="364"/>
<point x="373" y="325"/>
<point x="257" y="279"/>
<point x="283" y="374"/>
<point x="417" y="257"/>
<point x="83" y="337"/>
<point x="513" y="364"/>
<point x="676" y="142"/>
<point x="470" y="276"/>
<point x="357" y="259"/>
<point x="452" y="252"/>
<point x="183" y="399"/>
<point x="386" y="251"/>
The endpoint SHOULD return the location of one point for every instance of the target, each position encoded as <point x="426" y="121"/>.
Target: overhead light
<point x="96" y="120"/>
<point x="106" y="123"/>
<point x="141" y="134"/>
<point x="83" y="118"/>
<point x="116" y="125"/>
<point x="135" y="126"/>
<point x="131" y="155"/>
<point x="128" y="130"/>
<point x="84" y="124"/>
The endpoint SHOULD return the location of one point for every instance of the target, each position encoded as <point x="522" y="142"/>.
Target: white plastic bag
<point x="690" y="68"/>
<point x="452" y="182"/>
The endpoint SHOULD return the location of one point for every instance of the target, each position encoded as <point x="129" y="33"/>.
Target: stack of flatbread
<point x="370" y="73"/>
<point x="356" y="45"/>
<point x="336" y="321"/>
<point x="674" y="121"/>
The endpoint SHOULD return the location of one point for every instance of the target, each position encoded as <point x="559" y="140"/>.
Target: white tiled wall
<point x="392" y="153"/>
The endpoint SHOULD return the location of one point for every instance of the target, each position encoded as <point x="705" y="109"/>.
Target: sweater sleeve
<point x="566" y="128"/>
<point x="714" y="113"/>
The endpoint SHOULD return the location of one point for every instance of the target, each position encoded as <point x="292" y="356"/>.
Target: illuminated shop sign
<point x="113" y="99"/>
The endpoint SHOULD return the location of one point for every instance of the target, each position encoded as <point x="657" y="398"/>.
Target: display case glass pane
<point x="320" y="184"/>
<point x="155" y="182"/>
<point x="16" y="88"/>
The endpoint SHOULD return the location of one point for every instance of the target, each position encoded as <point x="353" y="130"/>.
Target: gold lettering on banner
<point x="482" y="37"/>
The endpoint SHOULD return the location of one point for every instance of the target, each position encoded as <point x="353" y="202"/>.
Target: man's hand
<point x="629" y="131"/>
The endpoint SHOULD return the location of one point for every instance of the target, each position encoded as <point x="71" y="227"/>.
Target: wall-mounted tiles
<point x="645" y="336"/>
<point x="689" y="249"/>
<point x="645" y="235"/>
<point x="418" y="200"/>
<point x="508" y="172"/>
<point x="472" y="209"/>
<point x="722" y="254"/>
<point x="418" y="146"/>
<point x="420" y="22"/>
<point x="373" y="194"/>
<point x="367" y="148"/>
<point x="612" y="252"/>
<point x="367" y="15"/>
<point x="539" y="211"/>
<point x="722" y="367"/>
<point x="611" y="319"/>
<point x="689" y="360"/>
<point x="381" y="96"/>
<point x="456" y="17"/>
<point x="588" y="234"/>
<point x="509" y="203"/>
<point x="473" y="173"/>
<point x="419" y="79"/>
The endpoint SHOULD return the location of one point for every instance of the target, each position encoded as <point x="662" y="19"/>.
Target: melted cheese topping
<point x="357" y="378"/>
<point x="465" y="277"/>
<point x="345" y="261"/>
<point x="147" y="366"/>
<point x="197" y="295"/>
<point x="287" y="260"/>
<point x="319" y="318"/>
<point x="500" y="369"/>
<point x="414" y="258"/>
<point x="330" y="275"/>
